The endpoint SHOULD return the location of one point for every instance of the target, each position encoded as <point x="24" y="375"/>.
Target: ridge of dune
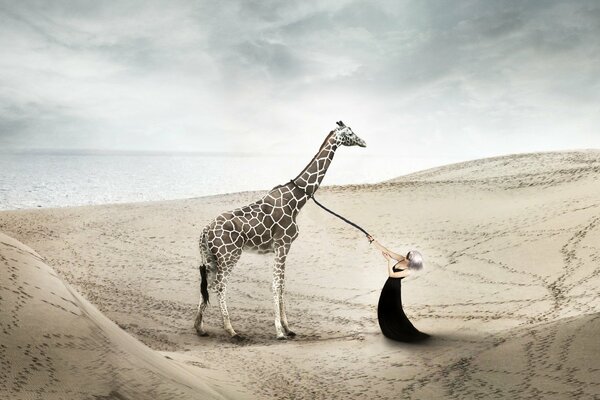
<point x="523" y="169"/>
<point x="55" y="345"/>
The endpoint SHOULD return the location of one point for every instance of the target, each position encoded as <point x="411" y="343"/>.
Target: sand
<point x="509" y="292"/>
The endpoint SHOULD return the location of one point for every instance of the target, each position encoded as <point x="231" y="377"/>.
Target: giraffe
<point x="267" y="225"/>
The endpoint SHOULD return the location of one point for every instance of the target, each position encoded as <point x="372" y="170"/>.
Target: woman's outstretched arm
<point x="379" y="246"/>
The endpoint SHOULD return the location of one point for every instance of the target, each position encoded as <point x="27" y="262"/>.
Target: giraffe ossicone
<point x="267" y="225"/>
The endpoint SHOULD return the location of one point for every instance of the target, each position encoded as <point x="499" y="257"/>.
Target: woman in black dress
<point x="393" y="322"/>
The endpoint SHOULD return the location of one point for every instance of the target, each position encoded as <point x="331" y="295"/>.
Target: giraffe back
<point x="258" y="225"/>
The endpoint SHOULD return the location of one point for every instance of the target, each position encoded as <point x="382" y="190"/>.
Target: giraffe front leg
<point x="283" y="317"/>
<point x="278" y="283"/>
<point x="281" y="335"/>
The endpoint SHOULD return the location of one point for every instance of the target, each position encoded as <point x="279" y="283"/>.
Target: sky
<point x="435" y="80"/>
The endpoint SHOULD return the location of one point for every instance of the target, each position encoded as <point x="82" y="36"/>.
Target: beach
<point x="509" y="292"/>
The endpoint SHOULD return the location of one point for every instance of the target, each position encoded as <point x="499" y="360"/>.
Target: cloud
<point x="453" y="78"/>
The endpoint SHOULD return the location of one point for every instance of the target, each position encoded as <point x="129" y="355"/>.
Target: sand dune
<point x="55" y="345"/>
<point x="509" y="292"/>
<point x="558" y="359"/>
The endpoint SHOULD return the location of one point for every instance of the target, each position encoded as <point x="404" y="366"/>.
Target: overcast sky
<point x="461" y="79"/>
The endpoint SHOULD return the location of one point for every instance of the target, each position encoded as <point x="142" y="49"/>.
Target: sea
<point x="48" y="179"/>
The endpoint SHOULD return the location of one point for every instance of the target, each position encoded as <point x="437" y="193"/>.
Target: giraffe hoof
<point x="291" y="334"/>
<point x="281" y="337"/>
<point x="202" y="333"/>
<point x="238" y="338"/>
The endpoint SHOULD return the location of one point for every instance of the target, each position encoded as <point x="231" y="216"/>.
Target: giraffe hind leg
<point x="222" y="296"/>
<point x="207" y="263"/>
<point x="225" y="266"/>
<point x="198" y="324"/>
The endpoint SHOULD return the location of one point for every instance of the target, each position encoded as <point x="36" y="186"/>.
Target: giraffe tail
<point x="204" y="253"/>
<point x="203" y="284"/>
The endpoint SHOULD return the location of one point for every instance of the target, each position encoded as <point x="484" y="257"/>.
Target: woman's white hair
<point x="415" y="260"/>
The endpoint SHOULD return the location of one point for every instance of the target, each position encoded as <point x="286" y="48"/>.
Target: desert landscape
<point x="98" y="302"/>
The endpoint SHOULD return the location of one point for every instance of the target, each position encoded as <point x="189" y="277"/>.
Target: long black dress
<point x="393" y="322"/>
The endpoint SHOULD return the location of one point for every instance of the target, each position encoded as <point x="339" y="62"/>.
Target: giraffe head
<point x="345" y="136"/>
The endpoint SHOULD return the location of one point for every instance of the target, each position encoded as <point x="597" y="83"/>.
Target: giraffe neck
<point x="311" y="177"/>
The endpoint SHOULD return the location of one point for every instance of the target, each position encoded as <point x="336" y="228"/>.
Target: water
<point x="60" y="179"/>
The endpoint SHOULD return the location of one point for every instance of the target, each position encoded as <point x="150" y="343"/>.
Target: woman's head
<point x="415" y="260"/>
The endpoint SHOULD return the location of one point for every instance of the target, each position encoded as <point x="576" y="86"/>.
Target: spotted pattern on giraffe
<point x="267" y="225"/>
